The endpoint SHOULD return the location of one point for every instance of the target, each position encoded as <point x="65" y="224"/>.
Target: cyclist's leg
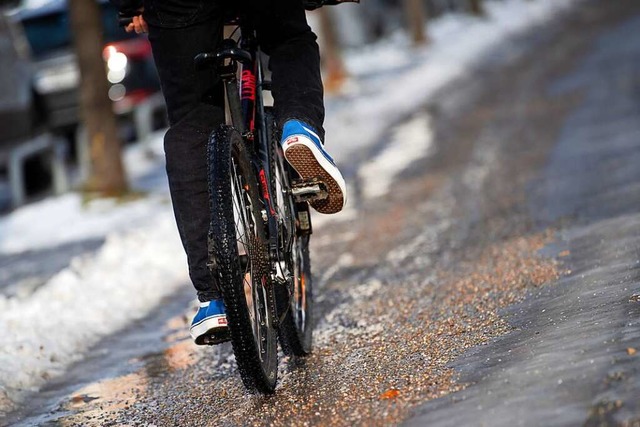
<point x="294" y="60"/>
<point x="298" y="95"/>
<point x="178" y="30"/>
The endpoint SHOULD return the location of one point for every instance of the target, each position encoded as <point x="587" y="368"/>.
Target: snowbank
<point x="93" y="297"/>
<point x="140" y="263"/>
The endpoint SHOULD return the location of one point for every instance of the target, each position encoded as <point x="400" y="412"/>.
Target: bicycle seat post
<point x="228" y="57"/>
<point x="225" y="62"/>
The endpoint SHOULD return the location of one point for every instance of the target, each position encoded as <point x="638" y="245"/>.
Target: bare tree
<point x="476" y="7"/>
<point x="416" y="17"/>
<point x="335" y="73"/>
<point x="107" y="175"/>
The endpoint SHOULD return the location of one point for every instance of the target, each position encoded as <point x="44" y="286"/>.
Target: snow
<point x="91" y="298"/>
<point x="392" y="80"/>
<point x="410" y="141"/>
<point x="140" y="263"/>
<point x="142" y="260"/>
<point x="68" y="218"/>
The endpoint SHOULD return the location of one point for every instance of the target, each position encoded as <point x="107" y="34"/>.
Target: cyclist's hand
<point x="138" y="25"/>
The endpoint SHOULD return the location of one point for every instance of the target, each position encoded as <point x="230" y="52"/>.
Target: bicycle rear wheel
<point x="240" y="258"/>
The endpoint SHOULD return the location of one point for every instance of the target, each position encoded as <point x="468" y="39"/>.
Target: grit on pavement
<point x="495" y="285"/>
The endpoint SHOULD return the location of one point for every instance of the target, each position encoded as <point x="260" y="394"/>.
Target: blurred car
<point x="17" y="111"/>
<point x="17" y="115"/>
<point x="56" y="78"/>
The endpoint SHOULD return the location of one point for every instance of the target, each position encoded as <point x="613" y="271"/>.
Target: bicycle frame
<point x="247" y="114"/>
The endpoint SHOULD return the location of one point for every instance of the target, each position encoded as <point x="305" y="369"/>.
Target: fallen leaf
<point x="392" y="393"/>
<point x="82" y="398"/>
<point x="631" y="351"/>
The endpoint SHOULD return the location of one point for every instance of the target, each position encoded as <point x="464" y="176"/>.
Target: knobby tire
<point x="244" y="278"/>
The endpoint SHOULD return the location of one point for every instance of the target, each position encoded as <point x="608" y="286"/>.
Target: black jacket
<point x="127" y="6"/>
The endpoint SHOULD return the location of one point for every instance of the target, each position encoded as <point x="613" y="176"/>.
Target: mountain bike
<point x="260" y="220"/>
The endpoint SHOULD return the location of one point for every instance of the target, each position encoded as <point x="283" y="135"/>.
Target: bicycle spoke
<point x="245" y="227"/>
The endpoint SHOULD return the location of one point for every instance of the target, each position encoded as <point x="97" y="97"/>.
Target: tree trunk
<point x="107" y="175"/>
<point x="476" y="7"/>
<point x="416" y="17"/>
<point x="335" y="74"/>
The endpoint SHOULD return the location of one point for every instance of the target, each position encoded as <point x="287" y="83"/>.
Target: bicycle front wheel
<point x="240" y="259"/>
<point x="296" y="327"/>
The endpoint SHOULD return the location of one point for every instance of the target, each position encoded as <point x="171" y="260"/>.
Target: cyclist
<point x="178" y="31"/>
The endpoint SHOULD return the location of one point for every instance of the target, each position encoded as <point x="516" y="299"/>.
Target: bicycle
<point x="260" y="224"/>
<point x="260" y="220"/>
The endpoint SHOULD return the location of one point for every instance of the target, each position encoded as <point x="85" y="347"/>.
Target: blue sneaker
<point x="209" y="326"/>
<point x="304" y="151"/>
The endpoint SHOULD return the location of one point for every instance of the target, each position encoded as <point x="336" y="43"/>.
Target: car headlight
<point x="116" y="64"/>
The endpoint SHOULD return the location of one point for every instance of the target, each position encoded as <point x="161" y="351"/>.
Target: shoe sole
<point x="214" y="336"/>
<point x="304" y="161"/>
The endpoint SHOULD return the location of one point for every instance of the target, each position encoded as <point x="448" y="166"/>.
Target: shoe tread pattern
<point x="305" y="163"/>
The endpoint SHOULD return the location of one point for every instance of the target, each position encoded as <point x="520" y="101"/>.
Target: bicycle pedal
<point x="309" y="190"/>
<point x="217" y="337"/>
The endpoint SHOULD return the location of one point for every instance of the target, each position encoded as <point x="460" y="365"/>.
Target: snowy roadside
<point x="140" y="262"/>
<point x="391" y="79"/>
<point x="142" y="259"/>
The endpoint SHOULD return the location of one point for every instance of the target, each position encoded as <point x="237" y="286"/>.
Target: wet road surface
<point x="573" y="359"/>
<point x="494" y="285"/>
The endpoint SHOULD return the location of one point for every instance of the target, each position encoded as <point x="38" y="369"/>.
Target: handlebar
<point x="314" y="4"/>
<point x="124" y="21"/>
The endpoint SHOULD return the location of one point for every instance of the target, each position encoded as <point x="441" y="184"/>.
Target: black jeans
<point x="178" y="31"/>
